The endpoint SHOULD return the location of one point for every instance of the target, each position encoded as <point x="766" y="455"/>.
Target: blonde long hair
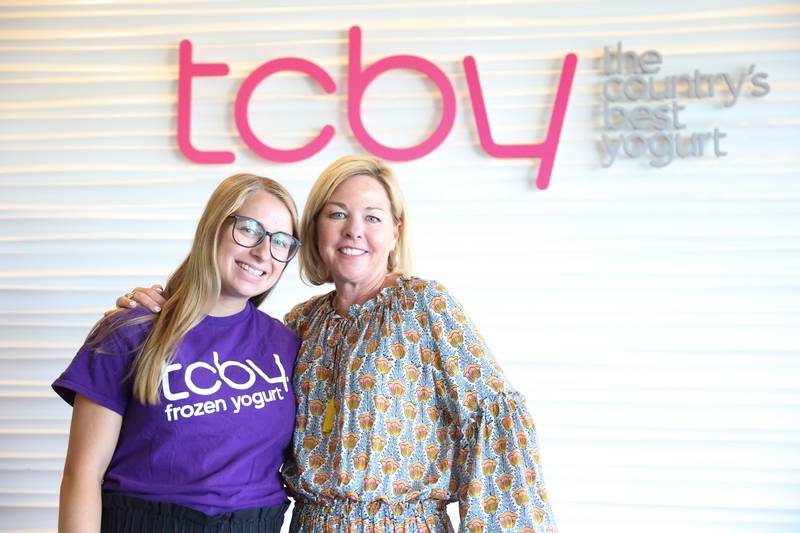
<point x="312" y="268"/>
<point x="196" y="282"/>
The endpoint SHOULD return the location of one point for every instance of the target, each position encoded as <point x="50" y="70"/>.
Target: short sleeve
<point x="100" y="371"/>
<point x="497" y="466"/>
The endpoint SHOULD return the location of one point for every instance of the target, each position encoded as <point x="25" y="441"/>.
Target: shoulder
<point x="123" y="331"/>
<point x="424" y="291"/>
<point x="101" y="368"/>
<point x="417" y="285"/>
<point x="301" y="312"/>
<point x="422" y="296"/>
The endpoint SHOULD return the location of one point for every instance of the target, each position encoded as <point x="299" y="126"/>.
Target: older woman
<point x="401" y="407"/>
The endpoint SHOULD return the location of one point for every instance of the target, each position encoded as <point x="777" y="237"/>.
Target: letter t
<point x="186" y="71"/>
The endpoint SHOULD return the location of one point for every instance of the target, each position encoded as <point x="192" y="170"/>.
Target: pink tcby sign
<point x="358" y="79"/>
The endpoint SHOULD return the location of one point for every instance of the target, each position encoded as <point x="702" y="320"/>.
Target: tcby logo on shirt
<point x="204" y="379"/>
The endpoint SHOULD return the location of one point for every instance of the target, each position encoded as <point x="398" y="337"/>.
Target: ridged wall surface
<point x="650" y="315"/>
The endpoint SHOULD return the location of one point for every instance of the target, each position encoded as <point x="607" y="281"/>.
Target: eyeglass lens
<point x="249" y="232"/>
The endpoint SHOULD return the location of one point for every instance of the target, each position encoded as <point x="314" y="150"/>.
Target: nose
<point x="261" y="251"/>
<point x="354" y="228"/>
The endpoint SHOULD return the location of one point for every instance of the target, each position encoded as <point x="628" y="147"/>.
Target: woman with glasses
<point x="181" y="419"/>
<point x="401" y="407"/>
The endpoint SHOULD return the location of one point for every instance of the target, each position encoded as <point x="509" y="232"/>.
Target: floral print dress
<point x="402" y="409"/>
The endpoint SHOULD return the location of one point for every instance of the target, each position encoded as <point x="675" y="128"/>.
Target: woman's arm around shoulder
<point x="93" y="437"/>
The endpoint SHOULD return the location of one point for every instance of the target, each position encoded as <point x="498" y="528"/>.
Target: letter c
<point x="205" y="391"/>
<point x="243" y="102"/>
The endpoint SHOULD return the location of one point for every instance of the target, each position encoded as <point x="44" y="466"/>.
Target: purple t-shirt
<point x="218" y="438"/>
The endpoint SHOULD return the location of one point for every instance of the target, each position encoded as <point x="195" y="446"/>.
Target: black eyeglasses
<point x="249" y="232"/>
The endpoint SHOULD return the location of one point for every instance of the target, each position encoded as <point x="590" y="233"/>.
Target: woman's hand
<point x="152" y="298"/>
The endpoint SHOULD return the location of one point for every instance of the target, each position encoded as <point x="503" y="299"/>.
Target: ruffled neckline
<point x="356" y="310"/>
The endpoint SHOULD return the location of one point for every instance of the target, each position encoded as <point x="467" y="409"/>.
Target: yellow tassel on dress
<point x="330" y="414"/>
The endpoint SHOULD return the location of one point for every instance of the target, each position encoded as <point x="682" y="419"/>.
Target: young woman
<point x="181" y="419"/>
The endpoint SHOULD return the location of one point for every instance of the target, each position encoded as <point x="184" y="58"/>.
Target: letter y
<point x="546" y="150"/>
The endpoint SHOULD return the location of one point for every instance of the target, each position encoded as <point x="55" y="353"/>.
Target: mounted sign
<point x="358" y="79"/>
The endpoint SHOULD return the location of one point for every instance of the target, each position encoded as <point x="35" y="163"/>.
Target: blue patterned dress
<point x="418" y="413"/>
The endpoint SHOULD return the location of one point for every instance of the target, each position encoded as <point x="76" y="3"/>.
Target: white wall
<point x="650" y="316"/>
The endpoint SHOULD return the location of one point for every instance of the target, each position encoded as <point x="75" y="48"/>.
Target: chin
<point x="348" y="274"/>
<point x="247" y="291"/>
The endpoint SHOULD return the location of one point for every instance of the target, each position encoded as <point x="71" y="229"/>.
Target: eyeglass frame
<point x="265" y="235"/>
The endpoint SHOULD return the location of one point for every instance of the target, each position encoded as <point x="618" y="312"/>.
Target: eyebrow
<point x="263" y="227"/>
<point x="339" y="204"/>
<point x="251" y="219"/>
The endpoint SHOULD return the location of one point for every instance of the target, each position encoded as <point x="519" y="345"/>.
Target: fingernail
<point x="159" y="290"/>
<point x="156" y="309"/>
<point x="133" y="303"/>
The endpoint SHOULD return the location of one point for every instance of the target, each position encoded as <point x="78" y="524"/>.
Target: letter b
<point x="358" y="81"/>
<point x="251" y="377"/>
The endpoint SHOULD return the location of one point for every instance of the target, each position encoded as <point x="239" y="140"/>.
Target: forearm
<point x="80" y="504"/>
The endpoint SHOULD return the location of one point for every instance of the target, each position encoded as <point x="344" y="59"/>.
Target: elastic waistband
<point x="377" y="509"/>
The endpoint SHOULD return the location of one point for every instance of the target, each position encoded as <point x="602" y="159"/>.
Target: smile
<point x="352" y="251"/>
<point x="251" y="270"/>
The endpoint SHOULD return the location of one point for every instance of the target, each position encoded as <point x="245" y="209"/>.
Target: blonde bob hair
<point x="195" y="284"/>
<point x="312" y="269"/>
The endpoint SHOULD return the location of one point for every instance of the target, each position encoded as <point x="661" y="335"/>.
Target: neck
<point x="348" y="294"/>
<point x="226" y="307"/>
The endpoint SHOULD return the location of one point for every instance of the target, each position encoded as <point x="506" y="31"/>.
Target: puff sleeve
<point x="496" y="469"/>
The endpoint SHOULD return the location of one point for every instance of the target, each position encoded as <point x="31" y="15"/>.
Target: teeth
<point x="352" y="251"/>
<point x="250" y="269"/>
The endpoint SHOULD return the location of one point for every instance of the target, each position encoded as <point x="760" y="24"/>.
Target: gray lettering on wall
<point x="632" y="78"/>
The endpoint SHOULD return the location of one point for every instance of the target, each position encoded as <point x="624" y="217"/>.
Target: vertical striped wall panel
<point x="651" y="316"/>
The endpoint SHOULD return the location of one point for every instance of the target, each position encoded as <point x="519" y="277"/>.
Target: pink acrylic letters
<point x="358" y="79"/>
<point x="546" y="150"/>
<point x="186" y="71"/>
<point x="243" y="99"/>
<point x="357" y="82"/>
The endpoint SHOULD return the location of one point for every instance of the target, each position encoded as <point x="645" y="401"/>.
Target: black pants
<point x="124" y="514"/>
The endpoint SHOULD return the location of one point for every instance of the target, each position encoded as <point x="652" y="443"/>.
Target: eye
<point x="372" y="219"/>
<point x="249" y="229"/>
<point x="337" y="215"/>
<point x="281" y="239"/>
